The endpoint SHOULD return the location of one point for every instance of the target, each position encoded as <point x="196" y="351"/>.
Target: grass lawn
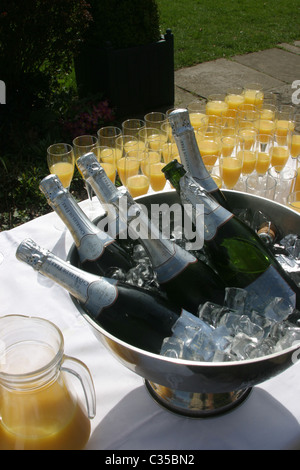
<point x="209" y="29"/>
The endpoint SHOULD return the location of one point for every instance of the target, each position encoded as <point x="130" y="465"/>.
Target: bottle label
<point x="268" y="286"/>
<point x="174" y="265"/>
<point x="92" y="246"/>
<point x="100" y="294"/>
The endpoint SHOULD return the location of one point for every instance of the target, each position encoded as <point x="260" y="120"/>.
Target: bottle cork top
<point x="29" y="252"/>
<point x="89" y="165"/>
<point x="180" y="121"/>
<point x="52" y="187"/>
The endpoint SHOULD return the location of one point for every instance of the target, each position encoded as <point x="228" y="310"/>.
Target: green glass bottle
<point x="235" y="250"/>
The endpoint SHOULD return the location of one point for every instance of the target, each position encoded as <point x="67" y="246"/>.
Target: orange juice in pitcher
<point x="38" y="409"/>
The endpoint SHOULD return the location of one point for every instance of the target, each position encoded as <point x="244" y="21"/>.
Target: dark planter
<point x="135" y="80"/>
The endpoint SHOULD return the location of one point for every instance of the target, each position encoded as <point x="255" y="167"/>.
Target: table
<point x="127" y="416"/>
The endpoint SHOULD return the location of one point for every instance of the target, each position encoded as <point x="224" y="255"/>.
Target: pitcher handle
<point x="81" y="371"/>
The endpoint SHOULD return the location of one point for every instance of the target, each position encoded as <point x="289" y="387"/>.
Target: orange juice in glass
<point x="230" y="171"/>
<point x="209" y="147"/>
<point x="253" y="94"/>
<point x="169" y="151"/>
<point x="228" y="144"/>
<point x="249" y="161"/>
<point x="216" y="105"/>
<point x="136" y="175"/>
<point x="293" y="200"/>
<point x="234" y="98"/>
<point x="106" y="157"/>
<point x="295" y="145"/>
<point x="61" y="162"/>
<point x="247" y="137"/>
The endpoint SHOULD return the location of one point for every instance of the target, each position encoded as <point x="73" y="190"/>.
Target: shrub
<point x="38" y="40"/>
<point x="123" y="23"/>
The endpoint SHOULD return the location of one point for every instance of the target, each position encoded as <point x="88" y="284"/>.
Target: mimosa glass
<point x="230" y="170"/>
<point x="155" y="119"/>
<point x="82" y="145"/>
<point x="107" y="137"/>
<point x="261" y="185"/>
<point x="234" y="98"/>
<point x="106" y="158"/>
<point x="136" y="172"/>
<point x="216" y="105"/>
<point x="293" y="200"/>
<point x="265" y="143"/>
<point x="61" y="162"/>
<point x="285" y="182"/>
<point x="295" y="137"/>
<point x="197" y="112"/>
<point x="253" y="93"/>
<point x="133" y="126"/>
<point x="280" y="150"/>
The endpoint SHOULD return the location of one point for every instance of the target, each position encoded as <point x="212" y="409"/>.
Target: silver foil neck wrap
<point x="52" y="187"/>
<point x="89" y="165"/>
<point x="180" y="121"/>
<point x="31" y="253"/>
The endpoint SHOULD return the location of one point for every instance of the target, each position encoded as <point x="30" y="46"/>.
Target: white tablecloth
<point x="127" y="416"/>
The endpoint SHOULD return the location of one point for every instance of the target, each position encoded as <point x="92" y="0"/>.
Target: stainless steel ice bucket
<point x="200" y="389"/>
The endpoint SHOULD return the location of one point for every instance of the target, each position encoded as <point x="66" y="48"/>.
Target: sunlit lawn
<point x="209" y="29"/>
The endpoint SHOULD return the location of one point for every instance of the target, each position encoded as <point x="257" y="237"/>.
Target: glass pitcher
<point x="39" y="409"/>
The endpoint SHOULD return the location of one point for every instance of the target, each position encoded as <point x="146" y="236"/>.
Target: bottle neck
<point x="191" y="158"/>
<point x="93" y="291"/>
<point x="89" y="240"/>
<point x="212" y="215"/>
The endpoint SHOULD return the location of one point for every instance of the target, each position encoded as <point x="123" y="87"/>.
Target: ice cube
<point x="223" y="356"/>
<point x="249" y="328"/>
<point x="172" y="347"/>
<point x="187" y="324"/>
<point x="265" y="323"/>
<point x="211" y="313"/>
<point x="242" y="345"/>
<point x="201" y="347"/>
<point x="230" y="320"/>
<point x="140" y="255"/>
<point x="116" y="273"/>
<point x="221" y="338"/>
<point x="263" y="348"/>
<point x="278" y="309"/>
<point x="235" y="299"/>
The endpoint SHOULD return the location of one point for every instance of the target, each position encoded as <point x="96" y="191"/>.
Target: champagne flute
<point x="136" y="175"/>
<point x="61" y="162"/>
<point x="197" y="112"/>
<point x="295" y="138"/>
<point x="253" y="94"/>
<point x="106" y="158"/>
<point x="155" y="119"/>
<point x="231" y="168"/>
<point x="133" y="126"/>
<point x="84" y="144"/>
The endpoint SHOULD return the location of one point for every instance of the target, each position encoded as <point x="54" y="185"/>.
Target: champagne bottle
<point x="130" y="313"/>
<point x="236" y="251"/>
<point x="190" y="156"/>
<point x="186" y="280"/>
<point x="96" y="249"/>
